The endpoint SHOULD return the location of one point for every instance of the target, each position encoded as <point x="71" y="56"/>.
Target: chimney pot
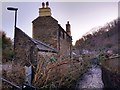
<point x="47" y="4"/>
<point x="68" y="28"/>
<point x="43" y="4"/>
<point x="67" y="22"/>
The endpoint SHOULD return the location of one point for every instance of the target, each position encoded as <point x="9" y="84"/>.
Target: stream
<point x="92" y="79"/>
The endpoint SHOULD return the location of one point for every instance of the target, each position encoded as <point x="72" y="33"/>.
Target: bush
<point x="58" y="74"/>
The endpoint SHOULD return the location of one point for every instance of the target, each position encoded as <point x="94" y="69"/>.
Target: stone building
<point x="28" y="49"/>
<point x="47" y="30"/>
<point x="48" y="37"/>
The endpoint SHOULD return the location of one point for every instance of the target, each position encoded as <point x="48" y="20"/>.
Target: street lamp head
<point x="11" y="8"/>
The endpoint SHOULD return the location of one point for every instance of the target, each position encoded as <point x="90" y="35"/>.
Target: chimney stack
<point x="68" y="28"/>
<point x="45" y="10"/>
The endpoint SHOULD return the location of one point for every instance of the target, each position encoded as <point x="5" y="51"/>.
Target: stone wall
<point x="45" y="29"/>
<point x="110" y="79"/>
<point x="111" y="73"/>
<point x="64" y="48"/>
<point x="47" y="56"/>
<point x="65" y="43"/>
<point x="25" y="49"/>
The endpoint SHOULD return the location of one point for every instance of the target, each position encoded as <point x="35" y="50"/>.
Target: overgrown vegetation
<point x="103" y="39"/>
<point x="54" y="73"/>
<point x="6" y="47"/>
<point x="60" y="74"/>
<point x="104" y="44"/>
<point x="50" y="72"/>
<point x="13" y="73"/>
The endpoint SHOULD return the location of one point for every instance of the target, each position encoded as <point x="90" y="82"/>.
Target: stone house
<point x="48" y="37"/>
<point x="28" y="49"/>
<point x="47" y="30"/>
<point x="28" y="53"/>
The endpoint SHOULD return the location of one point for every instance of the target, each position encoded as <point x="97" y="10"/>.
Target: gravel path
<point x="91" y="79"/>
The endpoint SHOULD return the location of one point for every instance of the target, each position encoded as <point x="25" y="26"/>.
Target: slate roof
<point x="44" y="47"/>
<point x="40" y="45"/>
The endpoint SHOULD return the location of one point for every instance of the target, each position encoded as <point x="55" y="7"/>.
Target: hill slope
<point x="104" y="39"/>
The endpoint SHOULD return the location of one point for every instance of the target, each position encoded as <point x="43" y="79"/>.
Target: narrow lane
<point x="92" y="79"/>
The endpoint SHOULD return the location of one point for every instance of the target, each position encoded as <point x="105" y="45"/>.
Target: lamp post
<point x="13" y="9"/>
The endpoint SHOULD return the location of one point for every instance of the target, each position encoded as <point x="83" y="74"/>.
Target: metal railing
<point x="14" y="86"/>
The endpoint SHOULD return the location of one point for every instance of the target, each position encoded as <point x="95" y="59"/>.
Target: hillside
<point x="103" y="39"/>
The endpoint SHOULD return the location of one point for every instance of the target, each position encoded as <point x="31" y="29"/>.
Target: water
<point x="91" y="79"/>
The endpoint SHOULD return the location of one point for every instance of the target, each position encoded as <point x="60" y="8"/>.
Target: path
<point x="91" y="79"/>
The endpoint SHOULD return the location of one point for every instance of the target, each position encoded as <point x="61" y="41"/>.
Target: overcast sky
<point x="83" y="16"/>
